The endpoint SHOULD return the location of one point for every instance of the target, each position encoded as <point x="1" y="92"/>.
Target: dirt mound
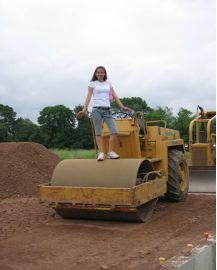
<point x="23" y="166"/>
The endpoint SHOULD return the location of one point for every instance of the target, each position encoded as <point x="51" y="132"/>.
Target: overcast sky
<point x="163" y="51"/>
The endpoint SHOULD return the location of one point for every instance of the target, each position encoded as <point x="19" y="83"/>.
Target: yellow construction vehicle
<point x="152" y="164"/>
<point x="202" y="152"/>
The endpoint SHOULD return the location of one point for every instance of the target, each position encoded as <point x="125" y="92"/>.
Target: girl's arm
<point x="87" y="101"/>
<point x="119" y="102"/>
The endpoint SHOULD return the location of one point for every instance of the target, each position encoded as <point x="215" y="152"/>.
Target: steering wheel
<point x="123" y="113"/>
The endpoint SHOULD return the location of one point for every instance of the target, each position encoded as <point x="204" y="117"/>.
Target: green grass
<point x="85" y="154"/>
<point x="72" y="154"/>
<point x="187" y="154"/>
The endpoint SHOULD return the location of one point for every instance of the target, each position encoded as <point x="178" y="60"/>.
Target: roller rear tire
<point x="178" y="176"/>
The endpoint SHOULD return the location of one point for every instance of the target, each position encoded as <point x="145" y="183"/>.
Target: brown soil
<point x="23" y="166"/>
<point x="33" y="236"/>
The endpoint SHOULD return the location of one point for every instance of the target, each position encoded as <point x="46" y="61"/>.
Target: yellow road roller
<point x="152" y="164"/>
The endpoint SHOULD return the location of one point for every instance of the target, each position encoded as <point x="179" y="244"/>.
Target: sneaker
<point x="113" y="155"/>
<point x="101" y="156"/>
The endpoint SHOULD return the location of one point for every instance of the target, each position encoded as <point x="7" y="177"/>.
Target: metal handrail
<point x="143" y="122"/>
<point x="145" y="133"/>
<point x="209" y="128"/>
<point x="200" y="121"/>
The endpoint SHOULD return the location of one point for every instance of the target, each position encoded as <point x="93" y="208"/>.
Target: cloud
<point x="161" y="51"/>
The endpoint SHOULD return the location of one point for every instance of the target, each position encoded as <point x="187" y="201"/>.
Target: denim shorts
<point x="105" y="114"/>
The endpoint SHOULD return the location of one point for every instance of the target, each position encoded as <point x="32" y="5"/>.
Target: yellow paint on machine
<point x="106" y="190"/>
<point x="131" y="197"/>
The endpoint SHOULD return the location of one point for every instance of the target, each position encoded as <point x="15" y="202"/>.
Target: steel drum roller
<point x="121" y="173"/>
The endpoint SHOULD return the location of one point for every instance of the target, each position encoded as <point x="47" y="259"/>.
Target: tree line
<point x="58" y="126"/>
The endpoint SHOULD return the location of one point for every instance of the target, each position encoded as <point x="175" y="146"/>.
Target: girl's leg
<point x="112" y="140"/>
<point x="99" y="142"/>
<point x="110" y="122"/>
<point x="97" y="122"/>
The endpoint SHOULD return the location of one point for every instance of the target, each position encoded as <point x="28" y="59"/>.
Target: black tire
<point x="178" y="176"/>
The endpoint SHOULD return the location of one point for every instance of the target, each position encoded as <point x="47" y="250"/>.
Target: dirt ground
<point x="23" y="166"/>
<point x="33" y="236"/>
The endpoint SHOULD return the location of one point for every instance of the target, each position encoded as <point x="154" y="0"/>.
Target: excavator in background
<point x="152" y="165"/>
<point x="202" y="152"/>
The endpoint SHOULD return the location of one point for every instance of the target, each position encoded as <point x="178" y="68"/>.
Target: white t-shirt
<point x="100" y="93"/>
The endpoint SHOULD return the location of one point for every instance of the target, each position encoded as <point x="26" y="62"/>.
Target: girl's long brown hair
<point x="94" y="78"/>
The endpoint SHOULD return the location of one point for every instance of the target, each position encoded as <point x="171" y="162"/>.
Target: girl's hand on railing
<point x="126" y="109"/>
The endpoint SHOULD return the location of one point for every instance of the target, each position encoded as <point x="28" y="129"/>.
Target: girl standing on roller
<point x="100" y="88"/>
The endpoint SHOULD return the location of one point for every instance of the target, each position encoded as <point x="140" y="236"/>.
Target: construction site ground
<point x="33" y="236"/>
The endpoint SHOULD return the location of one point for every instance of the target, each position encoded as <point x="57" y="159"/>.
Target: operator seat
<point x="141" y="131"/>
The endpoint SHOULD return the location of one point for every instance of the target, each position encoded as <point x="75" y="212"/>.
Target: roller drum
<point x="121" y="173"/>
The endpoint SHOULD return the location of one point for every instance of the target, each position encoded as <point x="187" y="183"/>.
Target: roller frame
<point x="103" y="197"/>
<point x="134" y="204"/>
<point x="125" y="190"/>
